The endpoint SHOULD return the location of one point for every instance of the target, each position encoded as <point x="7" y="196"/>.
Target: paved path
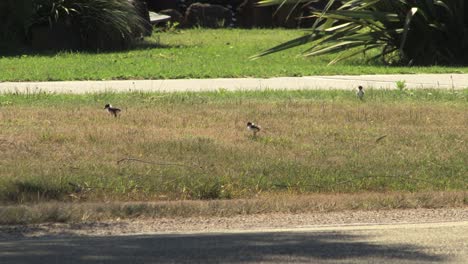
<point x="396" y="244"/>
<point x="413" y="81"/>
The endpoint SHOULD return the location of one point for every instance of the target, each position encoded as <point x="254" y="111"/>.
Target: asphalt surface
<point x="412" y="81"/>
<point x="395" y="243"/>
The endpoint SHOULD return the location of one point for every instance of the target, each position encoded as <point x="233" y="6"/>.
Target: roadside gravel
<point x="119" y="227"/>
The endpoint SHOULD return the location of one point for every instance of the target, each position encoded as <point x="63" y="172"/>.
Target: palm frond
<point x="422" y="32"/>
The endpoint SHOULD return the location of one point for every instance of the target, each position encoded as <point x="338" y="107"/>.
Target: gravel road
<point x="396" y="236"/>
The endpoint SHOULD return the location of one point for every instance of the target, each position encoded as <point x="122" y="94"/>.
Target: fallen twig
<point x="380" y="138"/>
<point x="297" y="186"/>
<point x="155" y="163"/>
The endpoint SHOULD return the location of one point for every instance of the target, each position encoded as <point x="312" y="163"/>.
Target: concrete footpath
<point x="345" y="82"/>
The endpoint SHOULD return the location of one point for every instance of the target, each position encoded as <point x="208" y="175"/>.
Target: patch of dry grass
<point x="66" y="148"/>
<point x="263" y="204"/>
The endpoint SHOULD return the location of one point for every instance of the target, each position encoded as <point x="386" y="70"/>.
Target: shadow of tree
<point x="16" y="50"/>
<point x="281" y="247"/>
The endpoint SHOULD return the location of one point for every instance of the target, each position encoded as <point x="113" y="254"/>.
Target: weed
<point x="401" y="85"/>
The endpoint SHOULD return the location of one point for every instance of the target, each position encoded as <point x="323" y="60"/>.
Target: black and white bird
<point x="254" y="128"/>
<point x="112" y="110"/>
<point x="360" y="92"/>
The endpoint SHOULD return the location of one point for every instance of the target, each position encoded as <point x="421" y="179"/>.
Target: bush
<point x="100" y="24"/>
<point x="15" y="18"/>
<point x="79" y="24"/>
<point x="406" y="31"/>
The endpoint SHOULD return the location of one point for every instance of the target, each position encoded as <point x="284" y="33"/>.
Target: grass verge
<point x="279" y="203"/>
<point x="189" y="146"/>
<point x="196" y="53"/>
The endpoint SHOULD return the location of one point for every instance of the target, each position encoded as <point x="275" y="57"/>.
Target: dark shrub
<point x="15" y="19"/>
<point x="407" y="31"/>
<point x="176" y="16"/>
<point x="210" y="16"/>
<point x="100" y="24"/>
<point x="74" y="24"/>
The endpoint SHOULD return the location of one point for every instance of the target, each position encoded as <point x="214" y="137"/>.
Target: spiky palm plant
<point x="418" y="32"/>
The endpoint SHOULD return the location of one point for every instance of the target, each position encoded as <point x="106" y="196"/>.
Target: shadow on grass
<point x="16" y="50"/>
<point x="30" y="191"/>
<point x="326" y="247"/>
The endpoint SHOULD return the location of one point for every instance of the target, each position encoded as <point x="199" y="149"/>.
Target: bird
<point x="360" y="93"/>
<point x="254" y="128"/>
<point x="112" y="110"/>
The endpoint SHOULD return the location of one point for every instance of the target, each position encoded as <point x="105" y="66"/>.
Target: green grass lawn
<point x="57" y="147"/>
<point x="195" y="53"/>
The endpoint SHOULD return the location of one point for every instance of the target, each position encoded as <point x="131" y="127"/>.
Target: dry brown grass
<point x="65" y="151"/>
<point x="263" y="204"/>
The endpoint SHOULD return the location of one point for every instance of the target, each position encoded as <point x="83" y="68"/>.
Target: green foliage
<point x="412" y="32"/>
<point x="98" y="24"/>
<point x="401" y="85"/>
<point x="53" y="11"/>
<point x="101" y="24"/>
